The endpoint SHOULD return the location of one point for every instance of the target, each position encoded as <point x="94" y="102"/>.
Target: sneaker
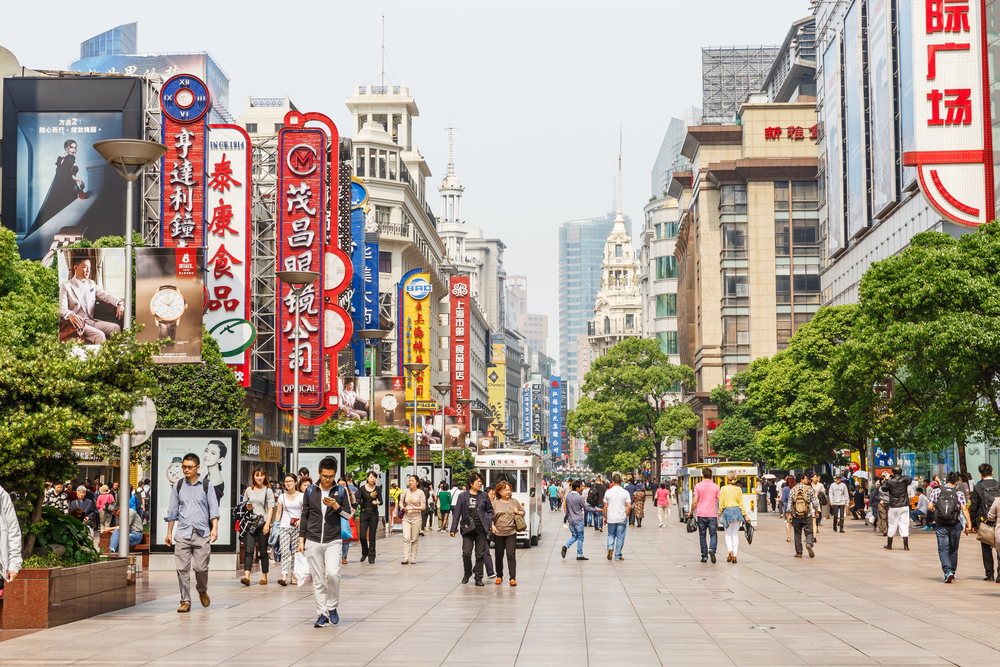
<point x="950" y="577"/>
<point x="611" y="554"/>
<point x="711" y="554"/>
<point x="927" y="528"/>
<point x="564" y="552"/>
<point x="704" y="560"/>
<point x="620" y="558"/>
<point x="490" y="575"/>
<point x="334" y="617"/>
<point x="322" y="621"/>
<point x="582" y="558"/>
<point x="205" y="600"/>
<point x="810" y="550"/>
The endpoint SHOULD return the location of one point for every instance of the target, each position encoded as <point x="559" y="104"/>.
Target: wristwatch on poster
<point x="389" y="404"/>
<point x="168" y="305"/>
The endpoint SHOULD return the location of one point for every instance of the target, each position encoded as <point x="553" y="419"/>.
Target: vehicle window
<point x="522" y="481"/>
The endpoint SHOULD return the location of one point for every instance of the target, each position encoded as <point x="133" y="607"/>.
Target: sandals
<point x="263" y="580"/>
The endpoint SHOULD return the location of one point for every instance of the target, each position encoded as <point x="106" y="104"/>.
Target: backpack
<point x="204" y="483"/>
<point x="947" y="509"/>
<point x="592" y="496"/>
<point x="989" y="495"/>
<point x="800" y="503"/>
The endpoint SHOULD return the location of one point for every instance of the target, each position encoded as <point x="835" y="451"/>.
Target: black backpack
<point x="989" y="490"/>
<point x="592" y="496"/>
<point x="947" y="508"/>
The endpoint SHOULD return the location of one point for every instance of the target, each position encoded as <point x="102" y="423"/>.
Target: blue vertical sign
<point x="371" y="286"/>
<point x="359" y="202"/>
<point x="555" y="417"/>
<point x="526" y="414"/>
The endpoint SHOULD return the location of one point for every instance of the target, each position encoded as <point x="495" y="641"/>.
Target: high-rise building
<point x="728" y="75"/>
<point x="658" y="270"/>
<point x="793" y="76"/>
<point x="581" y="250"/>
<point x="669" y="159"/>
<point x="518" y="285"/>
<point x="122" y="40"/>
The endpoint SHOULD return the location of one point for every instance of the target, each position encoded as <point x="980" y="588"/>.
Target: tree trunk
<point x="961" y="456"/>
<point x="36" y="516"/>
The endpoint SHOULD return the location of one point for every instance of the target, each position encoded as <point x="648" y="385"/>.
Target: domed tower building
<point x="618" y="306"/>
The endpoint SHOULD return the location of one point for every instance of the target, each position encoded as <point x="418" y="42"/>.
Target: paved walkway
<point x="855" y="604"/>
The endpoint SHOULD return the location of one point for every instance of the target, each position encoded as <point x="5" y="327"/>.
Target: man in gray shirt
<point x="576" y="508"/>
<point x="194" y="507"/>
<point x="839" y="497"/>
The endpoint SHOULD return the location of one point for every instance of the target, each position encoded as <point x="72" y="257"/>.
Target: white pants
<point x="411" y="533"/>
<point x="733" y="536"/>
<point x="663" y="513"/>
<point x="899" y="521"/>
<point x="324" y="565"/>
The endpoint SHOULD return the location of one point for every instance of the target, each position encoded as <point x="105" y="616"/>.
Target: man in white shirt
<point x="77" y="297"/>
<point x="617" y="507"/>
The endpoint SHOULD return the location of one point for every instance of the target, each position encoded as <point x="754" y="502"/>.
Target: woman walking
<point x="444" y="507"/>
<point x="638" y="505"/>
<point x="663" y="504"/>
<point x="288" y="511"/>
<point x="472" y="515"/>
<point x="505" y="530"/>
<point x="103" y="499"/>
<point x="785" y="490"/>
<point x="260" y="500"/>
<point x="368" y="500"/>
<point x="413" y="501"/>
<point x="731" y="514"/>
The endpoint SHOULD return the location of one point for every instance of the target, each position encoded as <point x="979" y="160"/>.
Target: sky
<point x="537" y="91"/>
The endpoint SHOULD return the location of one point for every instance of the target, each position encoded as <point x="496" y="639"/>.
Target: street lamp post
<point x="297" y="281"/>
<point x="414" y="370"/>
<point x="129" y="157"/>
<point x="368" y="335"/>
<point x="442" y="389"/>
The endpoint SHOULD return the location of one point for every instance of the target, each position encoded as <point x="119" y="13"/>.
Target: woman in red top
<point x="663" y="504"/>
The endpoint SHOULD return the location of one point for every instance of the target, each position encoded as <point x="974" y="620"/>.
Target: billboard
<point x="56" y="188"/>
<point x="854" y="115"/>
<point x="353" y="396"/>
<point x="526" y="413"/>
<point x="832" y="108"/>
<point x="881" y="89"/>
<point x="952" y="149"/>
<point x="454" y="432"/>
<point x="358" y="257"/>
<point x="389" y="403"/>
<point x="169" y="299"/>
<point x="415" y="329"/>
<point x="219" y="453"/>
<point x="904" y="35"/>
<point x="459" y="295"/>
<point x="496" y="389"/>
<point x="184" y="102"/>
<point x="227" y="312"/>
<point x="91" y="294"/>
<point x="555" y="416"/>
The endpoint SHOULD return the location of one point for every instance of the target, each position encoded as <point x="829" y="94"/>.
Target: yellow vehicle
<point x="746" y="476"/>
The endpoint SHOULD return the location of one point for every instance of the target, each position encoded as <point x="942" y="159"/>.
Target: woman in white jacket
<point x="10" y="539"/>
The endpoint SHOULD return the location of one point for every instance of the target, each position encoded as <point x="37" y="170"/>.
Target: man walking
<point x="803" y="505"/>
<point x="706" y="504"/>
<point x="948" y="505"/>
<point x="194" y="507"/>
<point x="576" y="508"/>
<point x="839" y="497"/>
<point x="617" y="507"/>
<point x="820" y="490"/>
<point x="553" y="496"/>
<point x="898" y="514"/>
<point x="596" y="499"/>
<point x="630" y="488"/>
<point x="320" y="540"/>
<point x="10" y="540"/>
<point x="983" y="495"/>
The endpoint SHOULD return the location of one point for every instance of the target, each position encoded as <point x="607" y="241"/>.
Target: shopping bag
<point x="348" y="529"/>
<point x="692" y="525"/>
<point x="301" y="569"/>
<point x="748" y="530"/>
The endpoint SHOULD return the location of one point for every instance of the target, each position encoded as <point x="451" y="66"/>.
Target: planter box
<point x="46" y="598"/>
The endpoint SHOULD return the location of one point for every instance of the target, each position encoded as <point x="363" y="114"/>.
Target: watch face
<point x="389" y="402"/>
<point x="167" y="305"/>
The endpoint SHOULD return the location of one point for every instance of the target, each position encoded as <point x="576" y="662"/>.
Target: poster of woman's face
<point x="442" y="475"/>
<point x="217" y="453"/>
<point x="64" y="185"/>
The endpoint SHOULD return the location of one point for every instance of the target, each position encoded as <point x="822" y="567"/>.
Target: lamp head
<point x="130" y="156"/>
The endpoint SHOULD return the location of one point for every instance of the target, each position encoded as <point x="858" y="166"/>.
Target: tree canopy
<point x="367" y="444"/>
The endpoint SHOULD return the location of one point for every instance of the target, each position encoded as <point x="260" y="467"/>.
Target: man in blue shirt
<point x="194" y="507"/>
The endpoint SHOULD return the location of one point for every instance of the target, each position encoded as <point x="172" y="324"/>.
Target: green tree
<point x="625" y="407"/>
<point x="366" y="443"/>
<point x="735" y="437"/>
<point x="931" y="325"/>
<point x="462" y="462"/>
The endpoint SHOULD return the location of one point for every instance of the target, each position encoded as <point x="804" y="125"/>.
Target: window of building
<point x="381" y="164"/>
<point x="666" y="305"/>
<point x="359" y="162"/>
<point x="657" y="230"/>
<point x="629" y="321"/>
<point x="618" y="250"/>
<point x="278" y="126"/>
<point x="383" y="214"/>
<point x="372" y="163"/>
<point x="251" y="128"/>
<point x="734" y="239"/>
<point x="668" y="342"/>
<point x="666" y="267"/>
<point x="735" y="287"/>
<point x="423" y="452"/>
<point x="670" y="230"/>
<point x="392" y="166"/>
<point x="260" y="423"/>
<point x="384" y="261"/>
<point x="733" y="198"/>
<point x="443" y="365"/>
<point x="736" y="334"/>
<point x="784" y="330"/>
<point x="607" y="325"/>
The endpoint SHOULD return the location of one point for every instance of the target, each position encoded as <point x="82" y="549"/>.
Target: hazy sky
<point x="536" y="90"/>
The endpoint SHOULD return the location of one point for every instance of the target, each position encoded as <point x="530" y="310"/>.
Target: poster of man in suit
<point x="91" y="294"/>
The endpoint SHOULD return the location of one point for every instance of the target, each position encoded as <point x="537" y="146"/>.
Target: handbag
<point x="692" y="524"/>
<point x="985" y="533"/>
<point x="748" y="529"/>
<point x="466" y="526"/>
<point x="519" y="523"/>
<point x="348" y="529"/>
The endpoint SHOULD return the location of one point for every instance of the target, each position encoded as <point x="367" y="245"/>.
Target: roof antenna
<point x="619" y="170"/>
<point x="383" y="50"/>
<point x="451" y="151"/>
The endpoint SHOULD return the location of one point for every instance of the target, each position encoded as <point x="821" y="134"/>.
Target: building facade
<point x="669" y="158"/>
<point x="618" y="304"/>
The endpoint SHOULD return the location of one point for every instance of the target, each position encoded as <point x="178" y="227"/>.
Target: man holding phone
<point x="320" y="539"/>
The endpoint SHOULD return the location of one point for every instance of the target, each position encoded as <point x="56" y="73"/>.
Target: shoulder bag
<point x="519" y="523"/>
<point x="985" y="533"/>
<point x="465" y="525"/>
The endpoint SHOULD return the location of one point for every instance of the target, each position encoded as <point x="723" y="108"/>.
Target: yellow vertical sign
<point x="417" y="340"/>
<point x="496" y="383"/>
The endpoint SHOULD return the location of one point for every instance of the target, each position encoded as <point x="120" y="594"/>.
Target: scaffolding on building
<point x="149" y="181"/>
<point x="729" y="74"/>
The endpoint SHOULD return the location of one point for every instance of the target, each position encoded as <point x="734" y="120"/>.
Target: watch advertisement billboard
<point x="390" y="401"/>
<point x="169" y="300"/>
<point x="227" y="313"/>
<point x="91" y="294"/>
<point x="218" y="453"/>
<point x="352" y="397"/>
<point x="854" y="114"/>
<point x="454" y="432"/>
<point x="881" y="87"/>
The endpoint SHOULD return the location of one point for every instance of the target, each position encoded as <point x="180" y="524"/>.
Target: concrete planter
<point x="45" y="598"/>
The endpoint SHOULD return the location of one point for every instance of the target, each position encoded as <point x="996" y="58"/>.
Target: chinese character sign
<point x="415" y="329"/>
<point x="526" y="413"/>
<point x="555" y="416"/>
<point x="301" y="206"/>
<point x="184" y="102"/>
<point x="360" y="285"/>
<point x="227" y="241"/>
<point x="459" y="295"/>
<point x="952" y="137"/>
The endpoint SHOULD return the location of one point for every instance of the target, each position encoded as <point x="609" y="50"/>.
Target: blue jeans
<point x="588" y="518"/>
<point x="347" y="545"/>
<point x="947" y="539"/>
<point x="133" y="539"/>
<point x="576" y="531"/>
<point x="616" y="537"/>
<point x="553" y="502"/>
<point x="710" y="524"/>
<point x="599" y="517"/>
<point x="916" y="514"/>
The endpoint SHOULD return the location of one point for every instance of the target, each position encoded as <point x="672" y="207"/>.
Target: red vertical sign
<point x="184" y="101"/>
<point x="459" y="295"/>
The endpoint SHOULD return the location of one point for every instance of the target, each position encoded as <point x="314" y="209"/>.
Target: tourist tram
<point x="746" y="477"/>
<point x="523" y="469"/>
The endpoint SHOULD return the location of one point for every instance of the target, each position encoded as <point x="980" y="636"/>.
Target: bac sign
<point x="419" y="288"/>
<point x="952" y="138"/>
